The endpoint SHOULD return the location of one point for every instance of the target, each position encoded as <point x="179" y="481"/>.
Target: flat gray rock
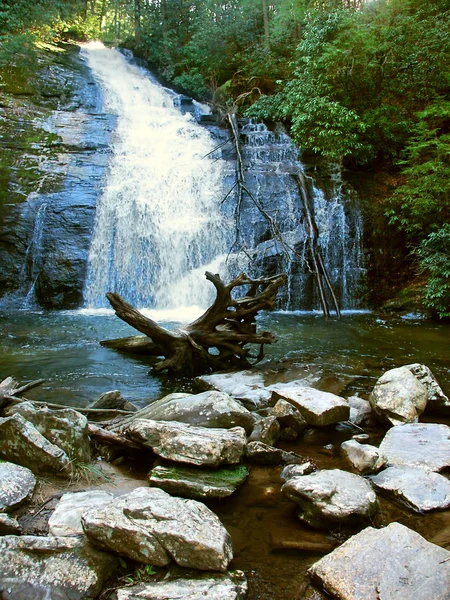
<point x="150" y="526"/>
<point x="393" y="563"/>
<point x="423" y="445"/>
<point x="262" y="454"/>
<point x="66" y="567"/>
<point x="398" y="397"/>
<point x="66" y="518"/>
<point x="21" y="443"/>
<point x="229" y="586"/>
<point x="363" y="457"/>
<point x="419" y="489"/>
<point x="16" y="485"/>
<point x="326" y="498"/>
<point x="246" y="386"/>
<point x="197" y="482"/>
<point x="183" y="443"/>
<point x="319" y="409"/>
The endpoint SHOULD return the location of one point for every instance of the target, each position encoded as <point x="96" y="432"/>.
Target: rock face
<point x="267" y="431"/>
<point x="69" y="567"/>
<point x="437" y="400"/>
<point x="246" y="386"/>
<point x="187" y="444"/>
<point x="319" y="409"/>
<point x="288" y="416"/>
<point x="152" y="527"/>
<point x="326" y="498"/>
<point x="209" y="409"/>
<point x="16" y="485"/>
<point x="394" y="562"/>
<point x="363" y="457"/>
<point x="420" y="490"/>
<point x="197" y="483"/>
<point x="360" y="410"/>
<point x="66" y="428"/>
<point x="398" y="397"/>
<point x="231" y="586"/>
<point x="22" y="443"/>
<point x="66" y="518"/>
<point x="423" y="445"/>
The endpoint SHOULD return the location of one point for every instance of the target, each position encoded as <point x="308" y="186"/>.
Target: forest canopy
<point x="364" y="83"/>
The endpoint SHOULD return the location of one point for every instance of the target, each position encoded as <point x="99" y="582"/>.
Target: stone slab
<point x="319" y="409"/>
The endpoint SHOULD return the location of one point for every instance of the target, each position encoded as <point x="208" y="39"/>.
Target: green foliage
<point x="141" y="574"/>
<point x="434" y="256"/>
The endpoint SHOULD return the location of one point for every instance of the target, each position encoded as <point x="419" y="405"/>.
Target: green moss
<point x="222" y="476"/>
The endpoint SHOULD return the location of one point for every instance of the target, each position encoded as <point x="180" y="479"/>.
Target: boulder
<point x="65" y="428"/>
<point x="266" y="430"/>
<point x="150" y="526"/>
<point x="297" y="470"/>
<point x="363" y="457"/>
<point x="187" y="444"/>
<point x="246" y="386"/>
<point x="419" y="489"/>
<point x="229" y="586"/>
<point x="423" y="445"/>
<point x="262" y="454"/>
<point x="8" y="525"/>
<point x="326" y="498"/>
<point x="288" y="416"/>
<point x="390" y="563"/>
<point x="197" y="482"/>
<point x="360" y="410"/>
<point x="319" y="409"/>
<point x="21" y="442"/>
<point x="398" y="397"/>
<point x="16" y="485"/>
<point x="209" y="409"/>
<point x="66" y="518"/>
<point x="437" y="400"/>
<point x="113" y="400"/>
<point x="53" y="567"/>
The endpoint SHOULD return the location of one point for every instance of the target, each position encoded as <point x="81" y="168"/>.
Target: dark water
<point x="344" y="356"/>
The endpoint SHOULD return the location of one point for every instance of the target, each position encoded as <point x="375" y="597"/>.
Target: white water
<point x="158" y="224"/>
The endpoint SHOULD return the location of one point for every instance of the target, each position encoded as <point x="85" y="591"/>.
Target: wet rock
<point x="16" y="485"/>
<point x="327" y="498"/>
<point x="297" y="470"/>
<point x="360" y="411"/>
<point x="150" y="526"/>
<point x="437" y="400"/>
<point x="262" y="454"/>
<point x="209" y="409"/>
<point x="419" y="489"/>
<point x="363" y="457"/>
<point x="288" y="416"/>
<point x="394" y="562"/>
<point x="230" y="586"/>
<point x="197" y="483"/>
<point x="21" y="442"/>
<point x="267" y="431"/>
<point x="66" y="518"/>
<point x="8" y="525"/>
<point x="187" y="444"/>
<point x="319" y="409"/>
<point x="398" y="397"/>
<point x="113" y="400"/>
<point x="288" y="434"/>
<point x="423" y="445"/>
<point x="53" y="567"/>
<point x="246" y="386"/>
<point x="66" y="428"/>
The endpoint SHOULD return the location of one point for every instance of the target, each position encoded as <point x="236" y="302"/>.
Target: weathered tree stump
<point x="217" y="341"/>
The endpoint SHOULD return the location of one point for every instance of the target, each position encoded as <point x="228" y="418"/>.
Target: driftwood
<point x="10" y="390"/>
<point x="217" y="340"/>
<point x="111" y="439"/>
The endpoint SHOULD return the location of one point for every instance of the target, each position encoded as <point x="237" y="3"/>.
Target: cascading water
<point x="159" y="217"/>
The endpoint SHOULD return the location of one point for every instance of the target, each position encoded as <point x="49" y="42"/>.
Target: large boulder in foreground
<point x="423" y="445"/>
<point x="319" y="409"/>
<point x="16" y="485"/>
<point x="393" y="563"/>
<point x="230" y="586"/>
<point x="42" y="567"/>
<point x="66" y="428"/>
<point x="150" y="526"/>
<point x="187" y="444"/>
<point x="326" y="498"/>
<point x="21" y="443"/>
<point x="419" y="489"/>
<point x="65" y="520"/>
<point x="398" y="397"/>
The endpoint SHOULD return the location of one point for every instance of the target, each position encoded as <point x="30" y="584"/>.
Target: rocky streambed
<point x="248" y="489"/>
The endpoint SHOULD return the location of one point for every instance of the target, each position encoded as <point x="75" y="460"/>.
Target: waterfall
<point x="158" y="220"/>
